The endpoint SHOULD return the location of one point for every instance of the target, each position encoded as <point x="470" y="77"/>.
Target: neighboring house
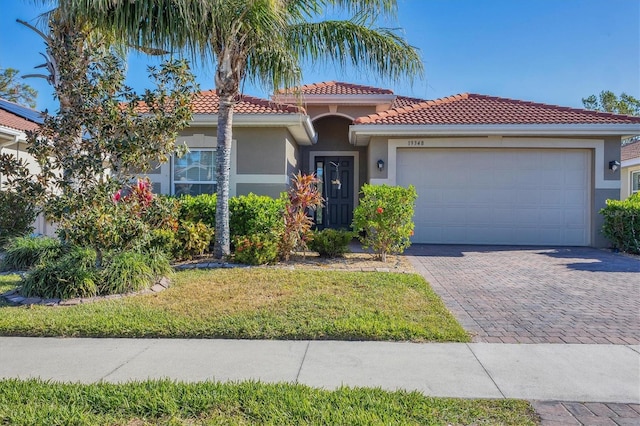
<point x="630" y="169"/>
<point x="15" y="121"/>
<point x="487" y="170"/>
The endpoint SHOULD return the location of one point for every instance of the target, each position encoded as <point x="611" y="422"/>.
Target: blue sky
<point x="551" y="51"/>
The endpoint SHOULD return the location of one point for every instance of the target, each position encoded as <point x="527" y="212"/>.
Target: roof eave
<point x="299" y="125"/>
<point x="360" y="134"/>
<point x="10" y="136"/>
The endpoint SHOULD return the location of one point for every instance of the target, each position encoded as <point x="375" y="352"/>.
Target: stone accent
<point x="15" y="298"/>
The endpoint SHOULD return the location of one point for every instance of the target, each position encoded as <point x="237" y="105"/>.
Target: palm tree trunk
<point x="221" y="246"/>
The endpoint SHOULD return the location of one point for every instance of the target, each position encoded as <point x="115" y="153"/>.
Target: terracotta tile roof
<point x="469" y="108"/>
<point x="206" y="102"/>
<point x="14" y="121"/>
<point x="339" y="88"/>
<point x="404" y="101"/>
<point x="630" y="151"/>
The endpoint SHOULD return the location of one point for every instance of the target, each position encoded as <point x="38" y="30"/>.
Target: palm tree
<point x="264" y="41"/>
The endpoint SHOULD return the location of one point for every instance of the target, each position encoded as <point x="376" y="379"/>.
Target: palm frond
<point x="380" y="50"/>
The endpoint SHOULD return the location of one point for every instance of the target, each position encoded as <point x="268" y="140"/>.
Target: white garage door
<point x="499" y="196"/>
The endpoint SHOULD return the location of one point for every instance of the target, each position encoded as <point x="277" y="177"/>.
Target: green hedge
<point x="255" y="214"/>
<point x="199" y="208"/>
<point x="622" y="223"/>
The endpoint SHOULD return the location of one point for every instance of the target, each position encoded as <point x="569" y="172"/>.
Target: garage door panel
<point x="499" y="196"/>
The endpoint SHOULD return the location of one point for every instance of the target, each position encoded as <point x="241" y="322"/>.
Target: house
<point x="487" y="170"/>
<point x="15" y="121"/>
<point x="630" y="169"/>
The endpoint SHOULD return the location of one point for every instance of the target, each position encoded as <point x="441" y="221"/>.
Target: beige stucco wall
<point x="293" y="157"/>
<point x="261" y="150"/>
<point x="377" y="151"/>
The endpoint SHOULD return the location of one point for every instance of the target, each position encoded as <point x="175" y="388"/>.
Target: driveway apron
<point x="536" y="294"/>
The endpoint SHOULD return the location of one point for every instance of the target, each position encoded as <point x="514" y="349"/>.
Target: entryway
<point x="336" y="175"/>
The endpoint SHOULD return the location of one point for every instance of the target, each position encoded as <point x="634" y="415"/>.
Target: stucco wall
<point x="293" y="157"/>
<point x="611" y="153"/>
<point x="377" y="151"/>
<point x="261" y="150"/>
<point x="600" y="196"/>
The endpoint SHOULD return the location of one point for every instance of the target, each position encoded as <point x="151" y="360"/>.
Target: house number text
<point x="416" y="143"/>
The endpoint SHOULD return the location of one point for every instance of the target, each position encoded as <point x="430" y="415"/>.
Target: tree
<point x="16" y="91"/>
<point x="264" y="41"/>
<point x="607" y="101"/>
<point x="103" y="132"/>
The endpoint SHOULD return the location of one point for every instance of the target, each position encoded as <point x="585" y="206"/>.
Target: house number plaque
<point x="415" y="142"/>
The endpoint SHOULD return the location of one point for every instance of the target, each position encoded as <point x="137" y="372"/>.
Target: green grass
<point x="35" y="402"/>
<point x="8" y="282"/>
<point x="257" y="303"/>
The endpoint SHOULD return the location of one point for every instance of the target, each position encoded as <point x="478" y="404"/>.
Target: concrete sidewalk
<point x="587" y="373"/>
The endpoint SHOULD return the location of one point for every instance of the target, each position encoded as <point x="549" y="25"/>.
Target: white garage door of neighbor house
<point x="499" y="196"/>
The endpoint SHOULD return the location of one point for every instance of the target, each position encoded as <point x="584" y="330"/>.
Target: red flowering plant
<point x="120" y="220"/>
<point x="303" y="198"/>
<point x="384" y="218"/>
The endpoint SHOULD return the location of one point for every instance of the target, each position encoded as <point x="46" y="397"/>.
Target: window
<point x="635" y="182"/>
<point x="195" y="173"/>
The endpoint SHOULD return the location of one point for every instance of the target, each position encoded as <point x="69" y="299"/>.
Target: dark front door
<point x="336" y="177"/>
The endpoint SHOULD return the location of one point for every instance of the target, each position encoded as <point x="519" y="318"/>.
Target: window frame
<point x="635" y="178"/>
<point x="175" y="181"/>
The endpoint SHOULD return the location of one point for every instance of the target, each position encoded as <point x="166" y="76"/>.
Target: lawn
<point x="35" y="402"/>
<point x="254" y="303"/>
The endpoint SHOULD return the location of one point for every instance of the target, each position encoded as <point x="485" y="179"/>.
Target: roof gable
<point x="473" y="109"/>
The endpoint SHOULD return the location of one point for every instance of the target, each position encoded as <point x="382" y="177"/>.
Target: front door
<point x="336" y="183"/>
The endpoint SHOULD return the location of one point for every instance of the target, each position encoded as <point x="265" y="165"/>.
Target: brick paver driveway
<point x="536" y="295"/>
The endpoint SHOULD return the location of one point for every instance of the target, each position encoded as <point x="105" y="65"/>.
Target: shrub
<point x="255" y="214"/>
<point x="126" y="272"/>
<point x="256" y="249"/>
<point x="16" y="216"/>
<point x="72" y="275"/>
<point x="385" y="218"/>
<point x="303" y="197"/>
<point x="164" y="240"/>
<point x="331" y="242"/>
<point x="199" y="208"/>
<point x="193" y="239"/>
<point x="622" y="223"/>
<point x="25" y="252"/>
